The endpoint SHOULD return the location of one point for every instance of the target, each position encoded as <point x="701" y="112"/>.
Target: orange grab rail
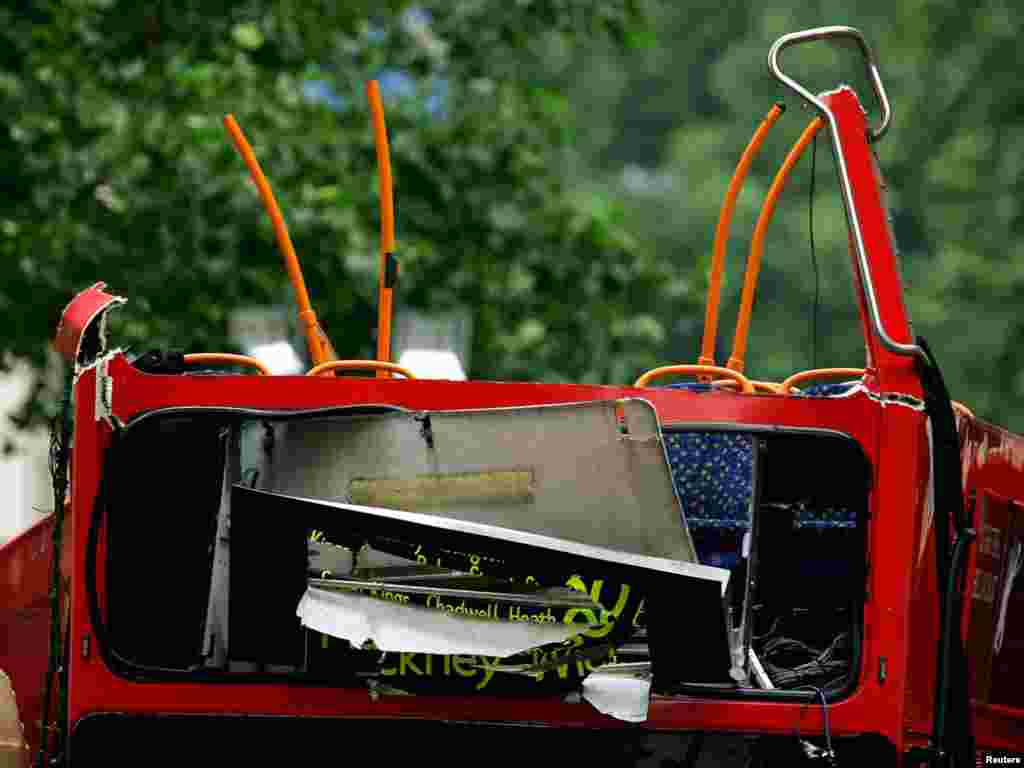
<point x="696" y="370"/>
<point x="739" y="345"/>
<point x="767" y="387"/>
<point x="359" y="365"/>
<point x="387" y="227"/>
<point x="199" y="358"/>
<point x="319" y="347"/>
<point x="820" y="373"/>
<point x="707" y="352"/>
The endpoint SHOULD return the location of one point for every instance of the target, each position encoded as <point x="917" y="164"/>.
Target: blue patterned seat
<point x="713" y="476"/>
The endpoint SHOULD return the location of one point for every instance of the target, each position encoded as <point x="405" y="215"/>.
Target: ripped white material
<point x="624" y="697"/>
<point x="412" y="628"/>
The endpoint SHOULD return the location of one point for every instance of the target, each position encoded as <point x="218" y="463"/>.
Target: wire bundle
<point x="791" y="663"/>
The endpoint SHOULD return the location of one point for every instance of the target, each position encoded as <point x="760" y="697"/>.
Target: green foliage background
<point x="566" y="194"/>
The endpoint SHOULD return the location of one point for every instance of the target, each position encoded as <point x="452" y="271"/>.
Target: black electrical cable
<point x="828" y="728"/>
<point x="830" y="754"/>
<point x="952" y="726"/>
<point x="771" y="630"/>
<point x="60" y="452"/>
<point x="825" y="667"/>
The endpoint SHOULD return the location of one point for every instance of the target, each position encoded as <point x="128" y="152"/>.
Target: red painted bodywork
<point x="24" y="585"/>
<point x="895" y="690"/>
<point x="85" y="309"/>
<point x="95" y="688"/>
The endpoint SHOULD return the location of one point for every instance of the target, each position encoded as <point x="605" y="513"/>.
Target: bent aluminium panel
<point x="573" y="471"/>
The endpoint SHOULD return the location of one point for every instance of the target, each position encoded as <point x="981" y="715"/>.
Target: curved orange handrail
<point x="820" y="373"/>
<point x="767" y="387"/>
<point x="696" y="370"/>
<point x="387" y="224"/>
<point x="739" y="345"/>
<point x="707" y="350"/>
<point x="359" y="365"/>
<point x="319" y="347"/>
<point x="199" y="358"/>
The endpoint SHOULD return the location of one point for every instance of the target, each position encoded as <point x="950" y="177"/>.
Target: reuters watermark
<point x="999" y="758"/>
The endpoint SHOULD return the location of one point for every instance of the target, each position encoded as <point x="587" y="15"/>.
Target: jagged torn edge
<point x="104" y="407"/>
<point x="96" y="324"/>
<point x="882" y="398"/>
<point x="97" y="319"/>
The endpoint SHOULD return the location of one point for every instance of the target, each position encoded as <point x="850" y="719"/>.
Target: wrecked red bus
<point x="818" y="570"/>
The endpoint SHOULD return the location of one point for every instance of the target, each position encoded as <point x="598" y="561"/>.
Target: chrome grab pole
<point x="831" y="33"/>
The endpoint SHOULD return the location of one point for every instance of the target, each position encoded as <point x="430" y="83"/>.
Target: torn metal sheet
<point x="624" y="694"/>
<point x="465" y="538"/>
<point x="593" y="472"/>
<point x="395" y="626"/>
<point x="683" y="602"/>
<point x="81" y="333"/>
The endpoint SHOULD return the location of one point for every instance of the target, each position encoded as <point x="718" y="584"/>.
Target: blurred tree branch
<point x="117" y="168"/>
